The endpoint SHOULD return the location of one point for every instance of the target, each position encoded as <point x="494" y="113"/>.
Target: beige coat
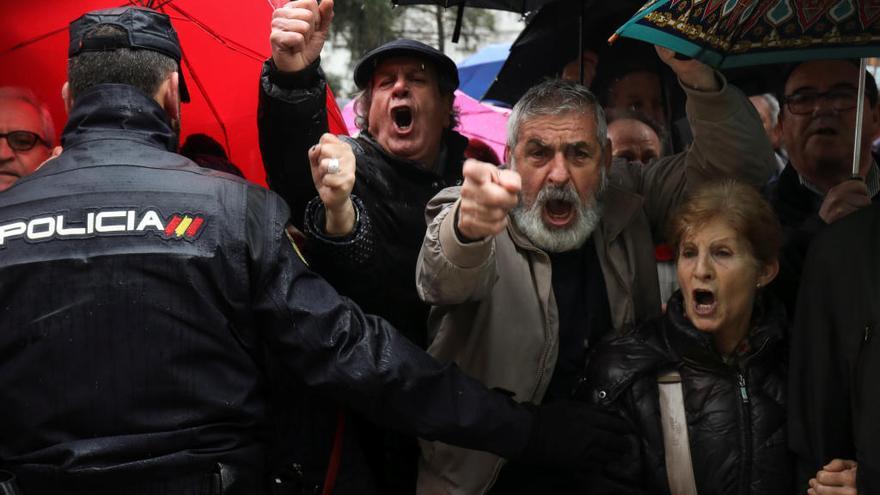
<point x="494" y="311"/>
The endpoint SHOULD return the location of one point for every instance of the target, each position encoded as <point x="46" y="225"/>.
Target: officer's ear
<point x="169" y="95"/>
<point x="65" y="95"/>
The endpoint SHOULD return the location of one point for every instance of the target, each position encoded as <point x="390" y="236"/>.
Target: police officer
<point x="140" y="295"/>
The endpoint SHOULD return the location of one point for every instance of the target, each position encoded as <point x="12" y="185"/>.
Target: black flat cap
<point x="364" y="69"/>
<point x="146" y="30"/>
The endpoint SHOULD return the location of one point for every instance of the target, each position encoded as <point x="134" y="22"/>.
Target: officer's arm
<point x="361" y="360"/>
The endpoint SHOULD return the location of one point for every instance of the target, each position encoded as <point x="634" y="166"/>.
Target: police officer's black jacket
<point x="735" y="412"/>
<point x="137" y="294"/>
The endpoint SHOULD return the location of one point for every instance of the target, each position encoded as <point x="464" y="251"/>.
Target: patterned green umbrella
<point x="736" y="33"/>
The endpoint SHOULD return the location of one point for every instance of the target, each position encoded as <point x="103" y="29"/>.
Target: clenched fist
<point x="333" y="167"/>
<point x="487" y="196"/>
<point x="299" y="30"/>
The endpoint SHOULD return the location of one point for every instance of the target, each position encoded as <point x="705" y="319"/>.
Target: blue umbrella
<point x="478" y="71"/>
<point x="736" y="33"/>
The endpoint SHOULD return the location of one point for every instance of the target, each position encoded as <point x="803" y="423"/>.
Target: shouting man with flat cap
<point x="174" y="289"/>
<point x="361" y="201"/>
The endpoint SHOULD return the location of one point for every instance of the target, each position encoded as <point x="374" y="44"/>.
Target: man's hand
<point x="299" y="30"/>
<point x="574" y="435"/>
<point x="843" y="199"/>
<point x="838" y="477"/>
<point x="333" y="167"/>
<point x="692" y="73"/>
<point x="487" y="195"/>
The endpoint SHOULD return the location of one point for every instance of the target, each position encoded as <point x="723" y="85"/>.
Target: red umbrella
<point x="224" y="44"/>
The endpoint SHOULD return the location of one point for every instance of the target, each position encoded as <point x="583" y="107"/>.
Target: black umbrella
<point x="555" y="35"/>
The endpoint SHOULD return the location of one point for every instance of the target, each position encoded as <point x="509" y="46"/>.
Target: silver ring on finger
<point x="333" y="166"/>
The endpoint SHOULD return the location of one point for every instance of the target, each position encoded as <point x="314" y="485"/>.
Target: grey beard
<point x="555" y="240"/>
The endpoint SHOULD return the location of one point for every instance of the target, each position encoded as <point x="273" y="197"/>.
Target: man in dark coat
<point x="835" y="362"/>
<point x="365" y="219"/>
<point x="143" y="368"/>
<point x="814" y="189"/>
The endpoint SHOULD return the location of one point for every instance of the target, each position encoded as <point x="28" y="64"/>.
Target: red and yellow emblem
<point x="186" y="227"/>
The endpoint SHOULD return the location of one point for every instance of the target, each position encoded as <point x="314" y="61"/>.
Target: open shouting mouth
<point x="403" y="118"/>
<point x="558" y="212"/>
<point x="705" y="302"/>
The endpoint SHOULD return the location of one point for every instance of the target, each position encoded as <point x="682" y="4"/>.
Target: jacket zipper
<point x="857" y="376"/>
<point x="745" y="479"/>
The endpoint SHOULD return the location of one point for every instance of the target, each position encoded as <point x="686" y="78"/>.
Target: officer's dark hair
<point x="871" y="91"/>
<point x="143" y="69"/>
<point x="364" y="99"/>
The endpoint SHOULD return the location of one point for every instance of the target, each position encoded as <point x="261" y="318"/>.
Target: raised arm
<point x="729" y="142"/>
<point x="292" y="114"/>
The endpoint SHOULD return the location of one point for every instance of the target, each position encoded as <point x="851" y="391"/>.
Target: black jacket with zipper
<point x="735" y="413"/>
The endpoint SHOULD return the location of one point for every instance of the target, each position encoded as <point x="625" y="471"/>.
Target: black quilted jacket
<point x="735" y="412"/>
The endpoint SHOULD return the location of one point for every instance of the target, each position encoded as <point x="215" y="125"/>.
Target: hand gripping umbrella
<point x="736" y="33"/>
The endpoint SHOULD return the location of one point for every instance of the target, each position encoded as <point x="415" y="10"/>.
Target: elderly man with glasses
<point x="832" y="411"/>
<point x="26" y="134"/>
<point x="815" y="188"/>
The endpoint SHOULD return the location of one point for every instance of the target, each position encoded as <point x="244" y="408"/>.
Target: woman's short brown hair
<point x="741" y="207"/>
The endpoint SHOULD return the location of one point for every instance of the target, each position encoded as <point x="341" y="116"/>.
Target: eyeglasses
<point x="805" y="103"/>
<point x="23" y="140"/>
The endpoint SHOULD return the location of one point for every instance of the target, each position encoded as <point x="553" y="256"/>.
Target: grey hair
<point x="556" y="97"/>
<point x="773" y="103"/>
<point x="28" y="96"/>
